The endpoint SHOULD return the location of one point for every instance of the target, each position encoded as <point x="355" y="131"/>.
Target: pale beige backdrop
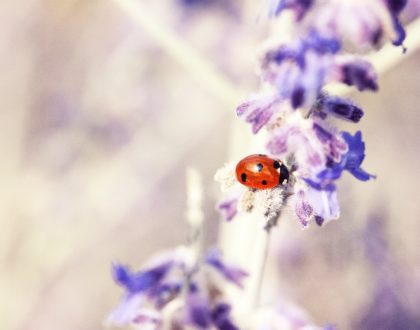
<point x="99" y="118"/>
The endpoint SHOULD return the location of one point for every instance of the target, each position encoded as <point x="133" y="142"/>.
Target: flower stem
<point x="257" y="273"/>
<point x="261" y="253"/>
<point x="194" y="213"/>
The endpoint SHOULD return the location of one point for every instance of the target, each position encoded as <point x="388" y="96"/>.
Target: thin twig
<point x="186" y="55"/>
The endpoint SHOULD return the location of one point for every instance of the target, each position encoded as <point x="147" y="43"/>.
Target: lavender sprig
<point x="298" y="115"/>
<point x="196" y="290"/>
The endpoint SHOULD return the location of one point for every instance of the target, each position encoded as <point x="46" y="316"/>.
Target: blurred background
<point x="102" y="110"/>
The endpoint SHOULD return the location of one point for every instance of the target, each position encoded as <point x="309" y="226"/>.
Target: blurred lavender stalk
<point x="194" y="214"/>
<point x="188" y="57"/>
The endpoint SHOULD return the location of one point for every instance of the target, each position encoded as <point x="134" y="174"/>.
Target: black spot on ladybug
<point x="284" y="174"/>
<point x="262" y="155"/>
<point x="264" y="182"/>
<point x="276" y="164"/>
<point x="259" y="167"/>
<point x="243" y="177"/>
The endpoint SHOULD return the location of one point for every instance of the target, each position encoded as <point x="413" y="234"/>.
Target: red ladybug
<point x="261" y="172"/>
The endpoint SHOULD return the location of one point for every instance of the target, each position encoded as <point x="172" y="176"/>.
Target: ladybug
<point x="261" y="172"/>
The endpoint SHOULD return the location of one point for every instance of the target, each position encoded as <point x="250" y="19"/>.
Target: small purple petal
<point x="361" y="174"/>
<point x="354" y="157"/>
<point x="142" y="281"/>
<point x="221" y="317"/>
<point x="401" y="34"/>
<point x="259" y="118"/>
<point x="303" y="210"/>
<point x="228" y="208"/>
<point x="300" y="7"/>
<point x="257" y="111"/>
<point x="231" y="273"/>
<point x="322" y="134"/>
<point x="325" y="203"/>
<point x="198" y="310"/>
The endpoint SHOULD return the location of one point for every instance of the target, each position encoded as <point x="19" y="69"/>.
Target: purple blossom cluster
<point x="298" y="113"/>
<point x="172" y="292"/>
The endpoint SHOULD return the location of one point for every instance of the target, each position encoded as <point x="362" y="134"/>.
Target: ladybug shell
<point x="261" y="172"/>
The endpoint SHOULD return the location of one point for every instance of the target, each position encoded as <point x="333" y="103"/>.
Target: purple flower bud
<point x="258" y="111"/>
<point x="338" y="107"/>
<point x="360" y="74"/>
